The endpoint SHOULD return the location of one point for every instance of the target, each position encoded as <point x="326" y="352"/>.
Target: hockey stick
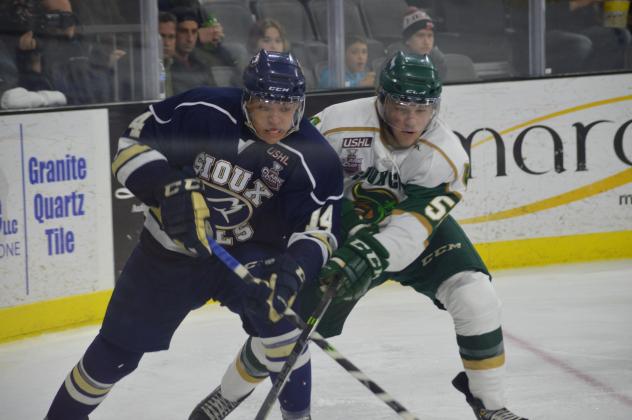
<point x="362" y="378"/>
<point x="299" y="346"/>
<point x="243" y="273"/>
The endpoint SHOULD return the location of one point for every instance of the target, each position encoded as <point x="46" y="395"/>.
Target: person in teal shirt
<point x="357" y="72"/>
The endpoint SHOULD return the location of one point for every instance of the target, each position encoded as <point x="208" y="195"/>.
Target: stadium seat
<point x="352" y="19"/>
<point x="291" y="15"/>
<point x="310" y="79"/>
<point x="234" y="16"/>
<point x="309" y="53"/>
<point x="460" y="69"/>
<point x="224" y="75"/>
<point x="476" y="28"/>
<point x="383" y="19"/>
<point x="353" y="25"/>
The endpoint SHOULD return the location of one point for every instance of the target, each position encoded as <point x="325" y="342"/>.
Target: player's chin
<point x="406" y="138"/>
<point x="272" y="136"/>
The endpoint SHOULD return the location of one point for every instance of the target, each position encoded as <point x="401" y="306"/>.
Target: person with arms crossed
<point x="246" y="165"/>
<point x="405" y="170"/>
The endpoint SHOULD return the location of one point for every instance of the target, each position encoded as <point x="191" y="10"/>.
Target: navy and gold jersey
<point x="281" y="195"/>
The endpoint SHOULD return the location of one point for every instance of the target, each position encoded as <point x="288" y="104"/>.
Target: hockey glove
<point x="278" y="292"/>
<point x="361" y="259"/>
<point x="184" y="213"/>
<point x="350" y="219"/>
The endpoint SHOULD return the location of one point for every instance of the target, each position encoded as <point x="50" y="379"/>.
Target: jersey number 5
<point x="439" y="207"/>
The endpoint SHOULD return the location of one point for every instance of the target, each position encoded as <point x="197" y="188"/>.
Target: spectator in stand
<point x="357" y="73"/>
<point x="585" y="18"/>
<point x="168" y="5"/>
<point x="102" y="45"/>
<point x="53" y="56"/>
<point x="211" y="47"/>
<point x="418" y="38"/>
<point x="167" y="24"/>
<point x="188" y="70"/>
<point x="267" y="34"/>
<point x="216" y="52"/>
<point x="566" y="52"/>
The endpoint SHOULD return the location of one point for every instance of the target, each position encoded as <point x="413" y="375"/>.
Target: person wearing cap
<point x="418" y="38"/>
<point x="189" y="69"/>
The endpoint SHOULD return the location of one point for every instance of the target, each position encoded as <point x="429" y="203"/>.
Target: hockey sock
<point x="296" y="395"/>
<point x="243" y="375"/>
<point x="471" y="300"/>
<point x="89" y="382"/>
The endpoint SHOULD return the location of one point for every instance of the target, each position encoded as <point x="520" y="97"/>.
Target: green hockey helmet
<point x="410" y="78"/>
<point x="409" y="94"/>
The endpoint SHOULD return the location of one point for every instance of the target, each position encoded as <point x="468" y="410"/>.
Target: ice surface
<point x="568" y="339"/>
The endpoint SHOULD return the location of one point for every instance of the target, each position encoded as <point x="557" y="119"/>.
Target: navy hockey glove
<point x="184" y="213"/>
<point x="361" y="259"/>
<point x="278" y="292"/>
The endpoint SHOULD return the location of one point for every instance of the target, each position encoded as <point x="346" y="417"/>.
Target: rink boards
<point x="551" y="164"/>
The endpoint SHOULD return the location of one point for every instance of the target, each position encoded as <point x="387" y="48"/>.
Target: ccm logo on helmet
<point x="278" y="89"/>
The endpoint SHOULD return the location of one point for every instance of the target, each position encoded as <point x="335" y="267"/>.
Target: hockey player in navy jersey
<point x="247" y="164"/>
<point x="405" y="170"/>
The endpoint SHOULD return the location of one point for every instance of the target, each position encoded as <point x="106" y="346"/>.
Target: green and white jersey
<point x="408" y="192"/>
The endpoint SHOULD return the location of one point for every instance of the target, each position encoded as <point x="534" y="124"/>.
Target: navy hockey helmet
<point x="275" y="77"/>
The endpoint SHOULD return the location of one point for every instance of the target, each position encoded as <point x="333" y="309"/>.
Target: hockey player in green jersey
<point x="405" y="170"/>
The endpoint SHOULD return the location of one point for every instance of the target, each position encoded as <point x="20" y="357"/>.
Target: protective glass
<point x="407" y="116"/>
<point x="267" y="106"/>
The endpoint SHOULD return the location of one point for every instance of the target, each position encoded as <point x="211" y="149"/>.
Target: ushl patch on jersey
<point x="277" y="154"/>
<point x="349" y="142"/>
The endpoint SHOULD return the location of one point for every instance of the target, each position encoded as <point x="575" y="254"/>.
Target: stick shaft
<point x="309" y="330"/>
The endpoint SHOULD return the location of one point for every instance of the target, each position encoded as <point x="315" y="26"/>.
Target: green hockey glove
<point x="349" y="217"/>
<point x="361" y="259"/>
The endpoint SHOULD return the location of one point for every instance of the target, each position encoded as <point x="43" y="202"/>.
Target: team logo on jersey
<point x="232" y="194"/>
<point x="373" y="204"/>
<point x="271" y="176"/>
<point x="351" y="163"/>
<point x="228" y="210"/>
<point x="349" y="142"/>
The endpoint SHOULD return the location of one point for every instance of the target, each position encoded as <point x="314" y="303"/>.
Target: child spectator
<point x="357" y="73"/>
<point x="267" y="34"/>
